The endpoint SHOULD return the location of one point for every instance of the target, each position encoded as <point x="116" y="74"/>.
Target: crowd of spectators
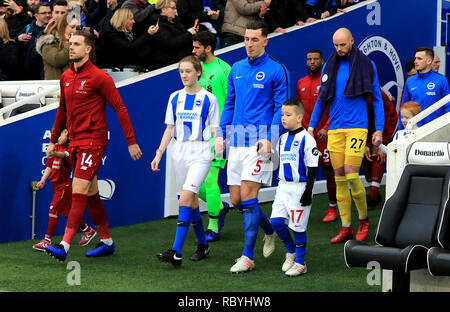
<point x="141" y="34"/>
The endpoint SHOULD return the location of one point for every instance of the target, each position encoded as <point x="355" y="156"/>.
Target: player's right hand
<point x="219" y="145"/>
<point x="135" y="151"/>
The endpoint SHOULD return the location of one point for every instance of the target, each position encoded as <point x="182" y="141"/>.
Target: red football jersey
<point x="307" y="93"/>
<point x="60" y="167"/>
<point x="82" y="106"/>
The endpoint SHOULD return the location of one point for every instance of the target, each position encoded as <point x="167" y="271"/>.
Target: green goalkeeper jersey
<point x="215" y="80"/>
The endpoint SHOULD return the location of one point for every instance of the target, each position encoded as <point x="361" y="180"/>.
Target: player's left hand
<point x="306" y="199"/>
<point x="135" y="151"/>
<point x="377" y="138"/>
<point x="263" y="147"/>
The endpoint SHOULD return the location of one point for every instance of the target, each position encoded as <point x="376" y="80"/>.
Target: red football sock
<point x="75" y="217"/>
<point x="374" y="191"/>
<point x="83" y="225"/>
<point x="52" y="223"/>
<point x="98" y="215"/>
<point x="377" y="176"/>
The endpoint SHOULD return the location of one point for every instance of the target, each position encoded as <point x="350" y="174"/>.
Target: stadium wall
<point x="132" y="193"/>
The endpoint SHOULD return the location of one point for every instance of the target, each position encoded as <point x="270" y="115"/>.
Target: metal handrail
<point x="428" y="111"/>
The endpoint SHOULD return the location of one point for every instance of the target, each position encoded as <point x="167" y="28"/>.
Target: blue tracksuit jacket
<point x="257" y="88"/>
<point x="426" y="89"/>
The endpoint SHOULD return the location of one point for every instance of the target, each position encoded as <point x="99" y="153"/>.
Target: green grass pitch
<point x="135" y="268"/>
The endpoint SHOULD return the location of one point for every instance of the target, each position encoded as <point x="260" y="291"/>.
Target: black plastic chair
<point x="409" y="225"/>
<point x="438" y="258"/>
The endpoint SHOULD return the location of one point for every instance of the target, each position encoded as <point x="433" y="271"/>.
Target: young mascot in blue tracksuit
<point x="251" y="121"/>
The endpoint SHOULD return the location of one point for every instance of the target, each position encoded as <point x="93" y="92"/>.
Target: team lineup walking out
<point x="242" y="119"/>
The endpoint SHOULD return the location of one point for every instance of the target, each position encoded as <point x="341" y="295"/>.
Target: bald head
<point x="343" y="42"/>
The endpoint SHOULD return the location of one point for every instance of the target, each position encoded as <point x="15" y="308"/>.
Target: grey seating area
<point x="412" y="231"/>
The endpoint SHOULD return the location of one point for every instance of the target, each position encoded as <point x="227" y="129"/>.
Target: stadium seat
<point x="438" y="258"/>
<point x="409" y="225"/>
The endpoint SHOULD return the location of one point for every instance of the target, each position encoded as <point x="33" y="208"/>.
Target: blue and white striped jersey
<point x="296" y="150"/>
<point x="399" y="134"/>
<point x="193" y="115"/>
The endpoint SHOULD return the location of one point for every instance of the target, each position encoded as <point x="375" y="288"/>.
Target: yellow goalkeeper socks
<point x="344" y="201"/>
<point x="358" y="194"/>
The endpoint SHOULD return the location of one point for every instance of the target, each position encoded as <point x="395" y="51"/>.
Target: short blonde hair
<point x="120" y="19"/>
<point x="160" y="4"/>
<point x="4" y="33"/>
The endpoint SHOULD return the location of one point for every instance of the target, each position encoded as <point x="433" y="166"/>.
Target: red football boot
<point x="363" y="229"/>
<point x="331" y="215"/>
<point x="344" y="235"/>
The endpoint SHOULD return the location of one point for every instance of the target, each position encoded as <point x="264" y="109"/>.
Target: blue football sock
<point x="184" y="214"/>
<point x="197" y="225"/>
<point x="300" y="247"/>
<point x="264" y="222"/>
<point x="251" y="223"/>
<point x="283" y="233"/>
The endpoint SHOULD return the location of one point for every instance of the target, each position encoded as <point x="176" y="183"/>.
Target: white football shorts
<point x="191" y="161"/>
<point x="287" y="205"/>
<point x="244" y="163"/>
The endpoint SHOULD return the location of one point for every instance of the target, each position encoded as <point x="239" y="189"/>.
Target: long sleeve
<point x="281" y="95"/>
<point x="228" y="108"/>
<point x="109" y="91"/>
<point x="377" y="101"/>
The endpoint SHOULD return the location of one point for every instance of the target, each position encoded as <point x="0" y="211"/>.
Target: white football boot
<point x="243" y="264"/>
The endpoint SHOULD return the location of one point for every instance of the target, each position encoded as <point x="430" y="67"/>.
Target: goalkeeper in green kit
<point x="215" y="80"/>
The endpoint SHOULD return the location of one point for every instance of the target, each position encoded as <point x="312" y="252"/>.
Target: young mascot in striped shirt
<point x="192" y="116"/>
<point x="299" y="158"/>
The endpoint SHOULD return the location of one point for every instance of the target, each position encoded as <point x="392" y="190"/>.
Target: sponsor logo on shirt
<point x="187" y="115"/>
<point x="285" y="157"/>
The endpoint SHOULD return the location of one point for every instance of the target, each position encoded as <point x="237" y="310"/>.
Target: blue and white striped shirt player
<point x="297" y="150"/>
<point x="193" y="115"/>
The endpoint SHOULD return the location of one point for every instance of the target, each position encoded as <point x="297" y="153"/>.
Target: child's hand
<point x="155" y="162"/>
<point x="40" y="184"/>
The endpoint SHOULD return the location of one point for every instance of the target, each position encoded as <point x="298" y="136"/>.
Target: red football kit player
<point x="307" y="93"/>
<point x="84" y="91"/>
<point x="374" y="160"/>
<point x="58" y="171"/>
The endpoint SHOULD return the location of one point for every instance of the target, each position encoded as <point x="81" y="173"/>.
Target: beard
<point x="75" y="59"/>
<point x="315" y="70"/>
